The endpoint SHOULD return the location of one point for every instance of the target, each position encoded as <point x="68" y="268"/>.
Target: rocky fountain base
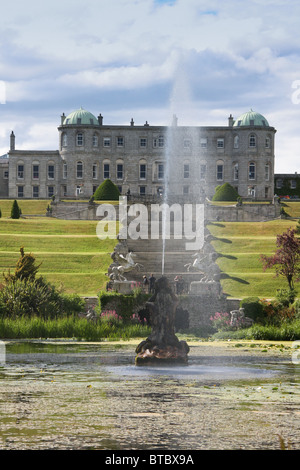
<point x="162" y="346"/>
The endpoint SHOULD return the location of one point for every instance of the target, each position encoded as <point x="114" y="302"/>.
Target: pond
<point x="81" y="396"/>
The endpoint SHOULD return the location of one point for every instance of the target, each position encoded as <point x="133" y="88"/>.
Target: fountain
<point x="162" y="345"/>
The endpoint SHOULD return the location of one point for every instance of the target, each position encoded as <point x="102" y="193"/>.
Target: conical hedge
<point x="107" y="191"/>
<point x="226" y="192"/>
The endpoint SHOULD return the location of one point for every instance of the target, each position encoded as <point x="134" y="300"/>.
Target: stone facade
<point x="138" y="158"/>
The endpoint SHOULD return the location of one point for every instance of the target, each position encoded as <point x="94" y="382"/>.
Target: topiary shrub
<point x="253" y="307"/>
<point x="107" y="191"/>
<point x="226" y="192"/>
<point x="15" y="210"/>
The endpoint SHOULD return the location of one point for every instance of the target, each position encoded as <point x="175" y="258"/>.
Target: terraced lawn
<point x="240" y="245"/>
<point x="70" y="253"/>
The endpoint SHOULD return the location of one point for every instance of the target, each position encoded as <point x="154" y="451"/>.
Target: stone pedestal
<point x="162" y="345"/>
<point x="123" y="287"/>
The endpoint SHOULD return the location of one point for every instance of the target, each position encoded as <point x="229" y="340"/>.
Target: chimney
<point x="230" y="121"/>
<point x="12" y="141"/>
<point x="100" y="119"/>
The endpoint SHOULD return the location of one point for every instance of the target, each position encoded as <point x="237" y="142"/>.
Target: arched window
<point x="79" y="170"/>
<point x="252" y="140"/>
<point x="267" y="171"/>
<point x="252" y="171"/>
<point x="79" y="139"/>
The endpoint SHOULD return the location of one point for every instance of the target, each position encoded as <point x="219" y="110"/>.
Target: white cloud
<point x="127" y="55"/>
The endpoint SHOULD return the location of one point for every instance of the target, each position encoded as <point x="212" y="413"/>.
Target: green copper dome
<point x="81" y="116"/>
<point x="251" y="118"/>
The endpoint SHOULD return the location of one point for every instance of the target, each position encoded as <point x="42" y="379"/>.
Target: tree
<point x="107" y="191"/>
<point x="226" y="192"/>
<point x="25" y="268"/>
<point x="15" y="210"/>
<point x="286" y="259"/>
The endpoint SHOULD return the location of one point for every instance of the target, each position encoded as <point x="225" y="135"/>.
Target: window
<point x="251" y="191"/>
<point x="186" y="189"/>
<point x="279" y="183"/>
<point x="161" y="172"/>
<point x="5" y="174"/>
<point x="79" y="139"/>
<point x="95" y="140"/>
<point x="65" y="171"/>
<point x="106" y="142"/>
<point x="186" y="170"/>
<point x="143" y="142"/>
<point x="35" y="191"/>
<point x="79" y="170"/>
<point x="187" y="143"/>
<point x="220" y="171"/>
<point x="251" y="171"/>
<point x="106" y="170"/>
<point x="266" y="192"/>
<point x="95" y="171"/>
<point x="120" y="141"/>
<point x="20" y="191"/>
<point x="35" y="172"/>
<point x="64" y="140"/>
<point x="203" y="143"/>
<point x="293" y="184"/>
<point x="159" y="141"/>
<point x="202" y="172"/>
<point x="220" y="143"/>
<point x="119" y="171"/>
<point x="20" y="171"/>
<point x="236" y="171"/>
<point x="51" y="172"/>
<point x="252" y="141"/>
<point x="236" y="142"/>
<point x="94" y="188"/>
<point x="142" y="190"/>
<point x="268" y="143"/>
<point x="142" y="171"/>
<point x="50" y="191"/>
<point x="64" y="190"/>
<point x="267" y="172"/>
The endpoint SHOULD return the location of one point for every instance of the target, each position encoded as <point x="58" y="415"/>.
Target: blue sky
<point x="148" y="59"/>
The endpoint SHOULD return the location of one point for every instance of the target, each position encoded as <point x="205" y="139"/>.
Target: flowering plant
<point x="221" y="321"/>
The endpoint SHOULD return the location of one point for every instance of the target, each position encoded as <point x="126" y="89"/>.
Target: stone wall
<point x="243" y="213"/>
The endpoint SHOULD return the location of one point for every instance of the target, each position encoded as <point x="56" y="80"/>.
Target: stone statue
<point x="122" y="264"/>
<point x="162" y="345"/>
<point x="238" y="319"/>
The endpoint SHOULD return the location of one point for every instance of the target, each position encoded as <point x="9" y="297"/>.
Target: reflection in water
<point x="92" y="396"/>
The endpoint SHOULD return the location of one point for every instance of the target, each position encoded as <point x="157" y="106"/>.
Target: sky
<point x="146" y="60"/>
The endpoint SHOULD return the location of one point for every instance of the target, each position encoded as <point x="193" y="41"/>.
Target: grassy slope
<point x="70" y="253"/>
<point x="241" y="244"/>
<point x="73" y="256"/>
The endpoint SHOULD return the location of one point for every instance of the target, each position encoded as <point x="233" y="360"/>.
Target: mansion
<point x="143" y="159"/>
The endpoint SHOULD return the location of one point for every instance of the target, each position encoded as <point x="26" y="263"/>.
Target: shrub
<point x="15" y="210"/>
<point x="253" y="308"/>
<point x="286" y="296"/>
<point x="226" y="192"/>
<point x="107" y="191"/>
